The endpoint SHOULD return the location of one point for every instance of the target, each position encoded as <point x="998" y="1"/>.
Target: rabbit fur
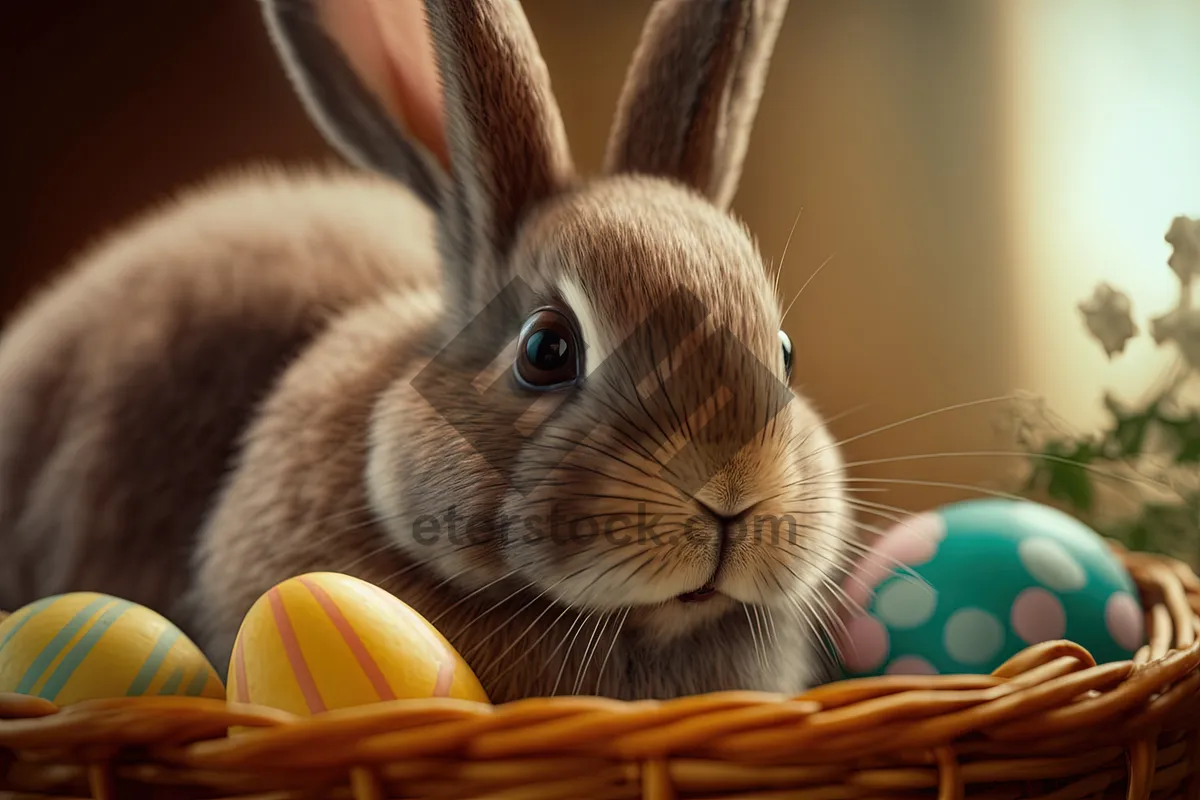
<point x="280" y="372"/>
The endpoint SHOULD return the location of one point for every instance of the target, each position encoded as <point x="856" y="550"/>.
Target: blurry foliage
<point x="1137" y="479"/>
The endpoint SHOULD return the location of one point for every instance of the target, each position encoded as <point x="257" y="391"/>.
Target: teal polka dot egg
<point x="962" y="589"/>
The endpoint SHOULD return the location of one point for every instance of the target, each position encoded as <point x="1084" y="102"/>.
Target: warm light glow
<point x="1105" y="108"/>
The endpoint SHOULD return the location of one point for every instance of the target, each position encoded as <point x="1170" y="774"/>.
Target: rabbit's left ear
<point x="366" y="72"/>
<point x="451" y="97"/>
<point x="692" y="92"/>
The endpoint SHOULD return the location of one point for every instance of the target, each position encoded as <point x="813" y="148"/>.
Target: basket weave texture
<point x="1048" y="724"/>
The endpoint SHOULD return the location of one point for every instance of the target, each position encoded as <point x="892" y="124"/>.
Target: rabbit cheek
<point x="434" y="492"/>
<point x="812" y="539"/>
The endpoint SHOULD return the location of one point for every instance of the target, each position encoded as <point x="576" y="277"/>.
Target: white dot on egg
<point x="906" y="603"/>
<point x="1051" y="565"/>
<point x="1037" y="516"/>
<point x="1038" y="616"/>
<point x="972" y="636"/>
<point x="865" y="644"/>
<point x="1123" y="618"/>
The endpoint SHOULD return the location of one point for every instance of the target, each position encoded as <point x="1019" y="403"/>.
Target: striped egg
<point x="324" y="641"/>
<point x="87" y="646"/>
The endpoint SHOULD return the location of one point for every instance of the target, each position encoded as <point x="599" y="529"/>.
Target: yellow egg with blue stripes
<point x="324" y="641"/>
<point x="87" y="646"/>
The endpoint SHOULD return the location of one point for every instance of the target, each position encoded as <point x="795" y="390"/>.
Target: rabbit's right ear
<point x="692" y="91"/>
<point x="366" y="73"/>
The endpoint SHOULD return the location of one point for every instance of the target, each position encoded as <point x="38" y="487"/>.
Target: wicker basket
<point x="1048" y="724"/>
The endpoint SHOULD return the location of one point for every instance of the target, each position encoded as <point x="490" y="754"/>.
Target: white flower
<point x="1184" y="238"/>
<point x="1108" y="316"/>
<point x="1181" y="326"/>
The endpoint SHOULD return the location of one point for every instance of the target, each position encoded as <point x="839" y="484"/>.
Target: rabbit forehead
<point x="621" y="250"/>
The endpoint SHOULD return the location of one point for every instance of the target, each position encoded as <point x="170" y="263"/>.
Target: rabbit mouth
<point x="699" y="595"/>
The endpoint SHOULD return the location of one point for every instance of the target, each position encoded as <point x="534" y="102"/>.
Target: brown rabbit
<point x="553" y="415"/>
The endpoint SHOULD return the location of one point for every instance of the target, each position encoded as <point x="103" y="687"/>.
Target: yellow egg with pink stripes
<point x="324" y="641"/>
<point x="88" y="646"/>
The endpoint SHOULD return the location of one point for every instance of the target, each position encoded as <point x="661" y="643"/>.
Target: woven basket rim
<point x="1050" y="705"/>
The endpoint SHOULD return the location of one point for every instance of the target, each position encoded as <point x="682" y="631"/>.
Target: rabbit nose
<point x="728" y="524"/>
<point x="722" y="513"/>
<point x="725" y="522"/>
<point x="722" y="517"/>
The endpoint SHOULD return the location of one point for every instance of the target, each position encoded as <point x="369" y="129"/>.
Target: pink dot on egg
<point x="910" y="542"/>
<point x="911" y="665"/>
<point x="1124" y="620"/>
<point x="1038" y="616"/>
<point x="864" y="645"/>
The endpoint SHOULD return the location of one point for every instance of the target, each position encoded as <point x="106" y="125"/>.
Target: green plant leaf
<point x="1137" y="535"/>
<point x="1067" y="478"/>
<point x="1129" y="434"/>
<point x="1185" y="431"/>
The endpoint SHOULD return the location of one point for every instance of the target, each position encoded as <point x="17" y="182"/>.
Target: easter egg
<point x="87" y="646"/>
<point x="324" y="641"/>
<point x="965" y="587"/>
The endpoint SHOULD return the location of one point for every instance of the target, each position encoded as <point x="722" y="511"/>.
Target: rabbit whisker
<point x="621" y="416"/>
<point x="783" y="257"/>
<point x="565" y="610"/>
<point x="1140" y="480"/>
<point x="815" y="273"/>
<point x="520" y="589"/>
<point x="760" y="626"/>
<point x="753" y="635"/>
<point x="608" y="653"/>
<point x="906" y="421"/>
<point x="865" y="553"/>
<point x="567" y="655"/>
<point x="467" y="597"/>
<point x="572" y="446"/>
<point x="589" y="652"/>
<point x="833" y="618"/>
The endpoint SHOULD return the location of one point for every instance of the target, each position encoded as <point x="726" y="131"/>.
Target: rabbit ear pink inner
<point x="388" y="44"/>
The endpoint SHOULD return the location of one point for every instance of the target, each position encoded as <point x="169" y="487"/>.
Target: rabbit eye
<point x="548" y="352"/>
<point x="786" y="343"/>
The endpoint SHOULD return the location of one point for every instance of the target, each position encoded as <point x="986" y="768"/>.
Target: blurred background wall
<point x="970" y="167"/>
<point x="1103" y="128"/>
